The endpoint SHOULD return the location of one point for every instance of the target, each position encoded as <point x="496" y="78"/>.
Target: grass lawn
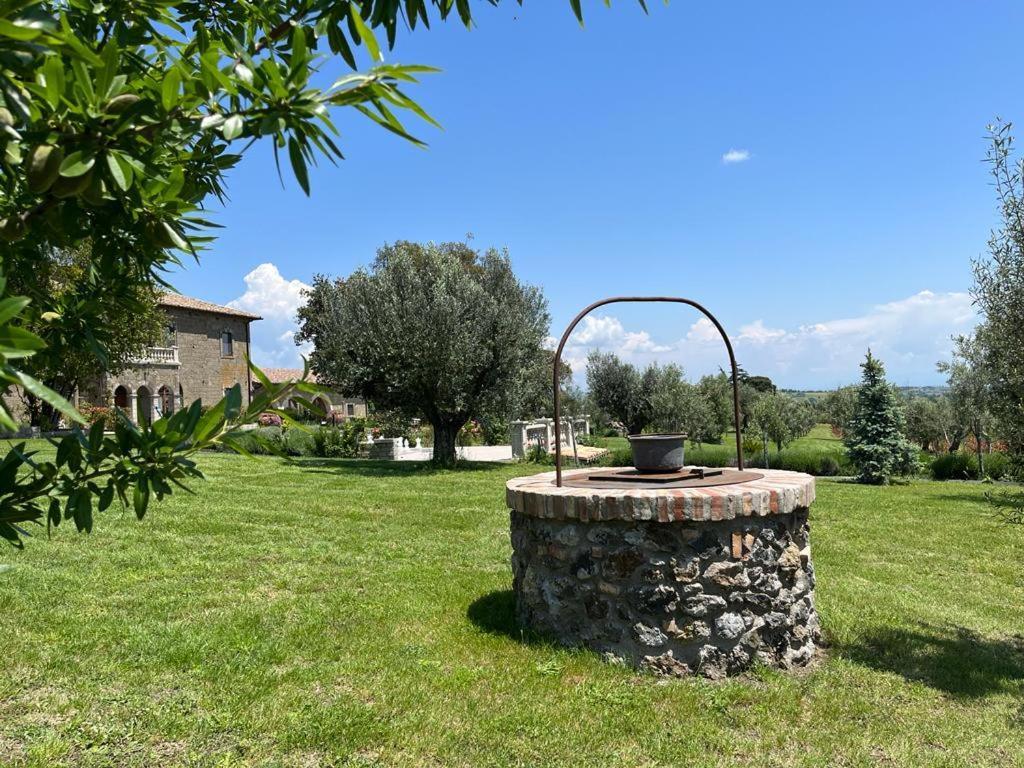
<point x="355" y="613"/>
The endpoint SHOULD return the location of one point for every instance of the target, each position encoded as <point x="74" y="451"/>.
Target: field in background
<point x="805" y="454"/>
<point x="336" y="612"/>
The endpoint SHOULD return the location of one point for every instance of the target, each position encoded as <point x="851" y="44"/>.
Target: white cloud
<point x="909" y="335"/>
<point x="703" y="330"/>
<point x="269" y="295"/>
<point x="607" y="334"/>
<point x="736" y="156"/>
<point x="757" y="333"/>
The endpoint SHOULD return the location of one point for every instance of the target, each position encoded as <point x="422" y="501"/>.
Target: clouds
<point x="734" y="156"/>
<point x="910" y="335"/>
<point x="275" y="299"/>
<point x="606" y="333"/>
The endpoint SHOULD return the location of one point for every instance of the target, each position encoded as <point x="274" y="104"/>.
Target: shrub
<point x="829" y="467"/>
<point x="953" y="466"/>
<point x="997" y="465"/>
<point x="341" y="442"/>
<point x="263" y="441"/>
<point x="298" y="442"/>
<point x="537" y="455"/>
<point x="94" y="413"/>
<point x="964" y="466"/>
<point x="328" y="442"/>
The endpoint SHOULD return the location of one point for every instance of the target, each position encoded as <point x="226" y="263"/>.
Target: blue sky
<point x="598" y="156"/>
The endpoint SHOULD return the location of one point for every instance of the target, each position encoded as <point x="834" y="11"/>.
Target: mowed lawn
<point x="358" y="613"/>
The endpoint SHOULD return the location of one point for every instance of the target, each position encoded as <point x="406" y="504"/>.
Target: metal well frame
<point x="643" y="299"/>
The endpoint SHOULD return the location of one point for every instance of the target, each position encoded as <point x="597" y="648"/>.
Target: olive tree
<point x="618" y="389"/>
<point x="998" y="292"/>
<point x="441" y="332"/>
<point x="970" y="391"/>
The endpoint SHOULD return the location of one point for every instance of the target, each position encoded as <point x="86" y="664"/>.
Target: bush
<point x="262" y="441"/>
<point x="537" y="455"/>
<point x="964" y="466"/>
<point x="94" y="413"/>
<point x="953" y="466"/>
<point x="298" y="442"/>
<point x="341" y="442"/>
<point x="997" y="465"/>
<point x="829" y="467"/>
<point x="328" y="443"/>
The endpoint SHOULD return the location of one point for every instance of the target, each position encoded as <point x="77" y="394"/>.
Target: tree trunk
<point x="445" y="433"/>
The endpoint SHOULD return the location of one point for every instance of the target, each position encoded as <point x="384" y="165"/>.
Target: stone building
<point x="202" y="355"/>
<point x="334" y="405"/>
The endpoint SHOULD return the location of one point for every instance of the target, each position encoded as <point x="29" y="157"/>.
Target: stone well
<point x="676" y="580"/>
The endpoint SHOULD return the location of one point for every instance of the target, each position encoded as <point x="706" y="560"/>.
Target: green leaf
<point x="140" y="496"/>
<point x="169" y="89"/>
<point x="106" y="497"/>
<point x="298" y="164"/>
<point x="47" y="395"/>
<point x="77" y="163"/>
<point x="233" y="402"/>
<point x="365" y="34"/>
<point x="83" y="510"/>
<point x="12" y="306"/>
<point x="53" y="77"/>
<point x="117" y="172"/>
<point x="15" y="32"/>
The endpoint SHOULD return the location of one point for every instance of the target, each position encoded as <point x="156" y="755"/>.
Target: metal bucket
<point x="658" y="453"/>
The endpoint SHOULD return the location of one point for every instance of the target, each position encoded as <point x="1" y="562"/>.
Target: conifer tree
<point x="875" y="440"/>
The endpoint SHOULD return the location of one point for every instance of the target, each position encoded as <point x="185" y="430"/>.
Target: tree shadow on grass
<point x="950" y="658"/>
<point x="371" y="468"/>
<point x="495" y="614"/>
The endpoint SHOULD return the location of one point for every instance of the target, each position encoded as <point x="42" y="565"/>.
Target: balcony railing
<point x="158" y="356"/>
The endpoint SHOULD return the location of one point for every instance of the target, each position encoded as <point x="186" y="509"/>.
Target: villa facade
<point x="202" y="355"/>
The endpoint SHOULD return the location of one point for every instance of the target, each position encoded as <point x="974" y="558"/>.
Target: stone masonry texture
<point x="676" y="597"/>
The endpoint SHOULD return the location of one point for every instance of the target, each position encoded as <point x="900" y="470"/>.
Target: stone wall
<point x="201" y="371"/>
<point x="700" y="597"/>
<point x="685" y="580"/>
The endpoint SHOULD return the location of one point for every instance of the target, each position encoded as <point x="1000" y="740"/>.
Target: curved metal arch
<point x="633" y="299"/>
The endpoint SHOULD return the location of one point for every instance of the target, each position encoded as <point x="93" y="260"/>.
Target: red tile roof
<point x="281" y="375"/>
<point x="168" y="299"/>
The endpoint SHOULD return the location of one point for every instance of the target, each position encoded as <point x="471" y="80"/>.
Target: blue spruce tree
<point x="876" y="438"/>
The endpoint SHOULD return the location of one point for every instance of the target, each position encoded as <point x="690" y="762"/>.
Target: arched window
<point x="165" y="397"/>
<point x="121" y="397"/>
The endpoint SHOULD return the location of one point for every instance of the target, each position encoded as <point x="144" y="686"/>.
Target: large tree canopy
<point x="442" y="332"/>
<point x="113" y="325"/>
<point x="998" y="346"/>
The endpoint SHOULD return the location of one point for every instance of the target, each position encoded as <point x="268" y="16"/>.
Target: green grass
<point x="352" y="613"/>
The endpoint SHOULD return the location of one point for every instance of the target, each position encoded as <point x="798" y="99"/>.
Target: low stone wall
<point x="672" y="594"/>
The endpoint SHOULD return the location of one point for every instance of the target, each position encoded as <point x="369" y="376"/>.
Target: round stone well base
<point x="678" y="581"/>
